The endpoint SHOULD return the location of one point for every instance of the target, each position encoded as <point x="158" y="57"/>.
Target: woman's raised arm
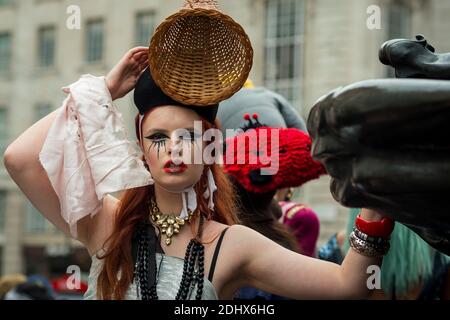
<point x="21" y="159"/>
<point x="49" y="182"/>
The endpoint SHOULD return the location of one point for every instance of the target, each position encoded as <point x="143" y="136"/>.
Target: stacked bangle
<point x="374" y="240"/>
<point x="371" y="238"/>
<point x="381" y="228"/>
<point x="368" y="246"/>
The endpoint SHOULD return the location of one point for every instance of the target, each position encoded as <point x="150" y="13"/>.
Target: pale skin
<point x="281" y="194"/>
<point x="246" y="257"/>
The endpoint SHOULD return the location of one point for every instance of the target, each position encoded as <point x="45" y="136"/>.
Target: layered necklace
<point x="169" y="224"/>
<point x="145" y="267"/>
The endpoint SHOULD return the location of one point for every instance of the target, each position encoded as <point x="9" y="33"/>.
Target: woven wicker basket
<point x="200" y="56"/>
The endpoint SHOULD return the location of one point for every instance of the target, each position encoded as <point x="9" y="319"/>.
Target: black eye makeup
<point x="158" y="140"/>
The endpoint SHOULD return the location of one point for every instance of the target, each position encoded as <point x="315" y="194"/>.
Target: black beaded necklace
<point x="145" y="267"/>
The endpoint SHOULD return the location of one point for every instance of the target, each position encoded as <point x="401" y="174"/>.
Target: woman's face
<point x="170" y="140"/>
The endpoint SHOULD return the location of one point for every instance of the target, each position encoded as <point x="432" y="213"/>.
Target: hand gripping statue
<point x="385" y="144"/>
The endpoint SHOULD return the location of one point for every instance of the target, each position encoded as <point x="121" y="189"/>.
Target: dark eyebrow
<point x="152" y="130"/>
<point x="156" y="130"/>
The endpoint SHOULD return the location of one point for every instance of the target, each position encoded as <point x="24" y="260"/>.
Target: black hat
<point x="148" y="95"/>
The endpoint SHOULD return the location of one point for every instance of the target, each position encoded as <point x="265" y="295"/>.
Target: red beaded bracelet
<point x="382" y="229"/>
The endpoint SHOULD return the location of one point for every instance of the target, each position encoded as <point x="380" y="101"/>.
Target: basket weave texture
<point x="200" y="56"/>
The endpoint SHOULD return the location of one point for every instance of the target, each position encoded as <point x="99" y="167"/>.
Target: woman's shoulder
<point x="240" y="229"/>
<point x="239" y="245"/>
<point x="217" y="227"/>
<point x="237" y="233"/>
<point x="231" y="233"/>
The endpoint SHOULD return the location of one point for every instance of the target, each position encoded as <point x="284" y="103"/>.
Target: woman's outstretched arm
<point x="272" y="268"/>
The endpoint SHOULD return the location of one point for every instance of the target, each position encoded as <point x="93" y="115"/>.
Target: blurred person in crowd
<point x="34" y="288"/>
<point x="301" y="220"/>
<point x="9" y="282"/>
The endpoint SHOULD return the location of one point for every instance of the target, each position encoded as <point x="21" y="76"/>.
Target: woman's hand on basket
<point x="123" y="77"/>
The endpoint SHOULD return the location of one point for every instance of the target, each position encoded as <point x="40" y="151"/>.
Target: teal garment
<point x="408" y="262"/>
<point x="169" y="273"/>
<point x="331" y="251"/>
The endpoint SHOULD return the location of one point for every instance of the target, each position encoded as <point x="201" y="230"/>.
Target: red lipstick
<point x="171" y="167"/>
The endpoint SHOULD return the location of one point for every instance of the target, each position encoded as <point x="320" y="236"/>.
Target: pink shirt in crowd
<point x="304" y="224"/>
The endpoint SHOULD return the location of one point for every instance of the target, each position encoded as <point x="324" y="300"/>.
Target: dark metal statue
<point x="415" y="59"/>
<point x="385" y="142"/>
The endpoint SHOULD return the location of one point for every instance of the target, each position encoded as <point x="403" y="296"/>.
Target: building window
<point x="94" y="41"/>
<point x="46" y="48"/>
<point x="284" y="48"/>
<point x="2" y="210"/>
<point x="145" y="26"/>
<point x="6" y="2"/>
<point x="3" y="129"/>
<point x="5" y="52"/>
<point x="398" y="24"/>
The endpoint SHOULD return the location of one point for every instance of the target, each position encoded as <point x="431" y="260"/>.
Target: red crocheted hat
<point x="264" y="159"/>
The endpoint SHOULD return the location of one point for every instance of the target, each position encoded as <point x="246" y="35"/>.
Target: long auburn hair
<point x="118" y="269"/>
<point x="260" y="212"/>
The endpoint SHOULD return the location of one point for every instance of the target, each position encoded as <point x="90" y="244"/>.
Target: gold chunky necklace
<point x="169" y="224"/>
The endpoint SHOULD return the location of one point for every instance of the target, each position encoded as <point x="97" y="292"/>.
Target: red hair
<point x="133" y="208"/>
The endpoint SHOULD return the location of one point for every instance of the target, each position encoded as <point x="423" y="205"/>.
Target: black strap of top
<point x="216" y="254"/>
